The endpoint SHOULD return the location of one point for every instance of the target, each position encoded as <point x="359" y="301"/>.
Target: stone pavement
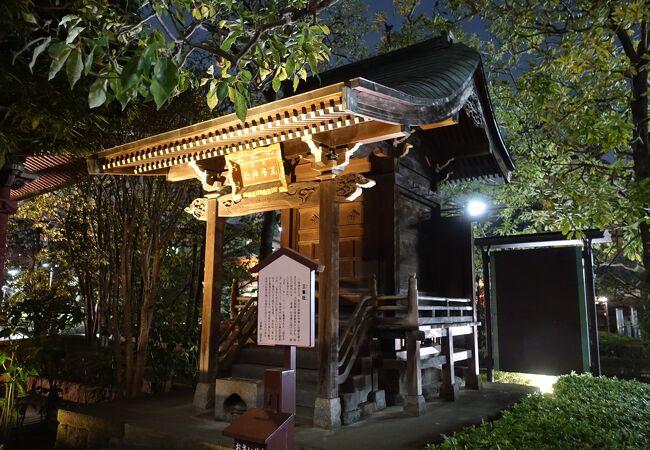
<point x="171" y="422"/>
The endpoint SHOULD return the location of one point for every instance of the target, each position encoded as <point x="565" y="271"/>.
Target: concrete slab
<point x="157" y="419"/>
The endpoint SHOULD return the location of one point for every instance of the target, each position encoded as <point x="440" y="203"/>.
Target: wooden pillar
<point x="327" y="411"/>
<point x="449" y="389"/>
<point x="7" y="207"/>
<point x="211" y="311"/>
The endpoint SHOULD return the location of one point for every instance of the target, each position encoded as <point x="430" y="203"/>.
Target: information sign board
<point x="285" y="310"/>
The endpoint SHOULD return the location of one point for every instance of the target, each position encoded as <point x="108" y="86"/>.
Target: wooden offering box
<point x="259" y="429"/>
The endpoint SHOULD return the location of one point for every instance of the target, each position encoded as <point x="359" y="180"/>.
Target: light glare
<point x="476" y="208"/>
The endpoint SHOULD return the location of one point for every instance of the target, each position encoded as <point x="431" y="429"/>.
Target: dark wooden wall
<point x="392" y="230"/>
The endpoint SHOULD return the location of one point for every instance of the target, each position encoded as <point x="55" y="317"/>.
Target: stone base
<point x="415" y="405"/>
<point x="350" y="417"/>
<point x="204" y="395"/>
<point x="78" y="431"/>
<point x="379" y="398"/>
<point x="450" y="392"/>
<point x="327" y="413"/>
<point x="251" y="392"/>
<point x="431" y="392"/>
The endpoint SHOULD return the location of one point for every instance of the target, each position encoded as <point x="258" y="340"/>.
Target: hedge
<point x="583" y="412"/>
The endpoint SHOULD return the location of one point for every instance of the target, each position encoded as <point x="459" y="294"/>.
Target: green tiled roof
<point x="437" y="74"/>
<point x="433" y="69"/>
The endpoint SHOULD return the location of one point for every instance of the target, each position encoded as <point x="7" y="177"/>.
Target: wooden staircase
<point x="409" y="333"/>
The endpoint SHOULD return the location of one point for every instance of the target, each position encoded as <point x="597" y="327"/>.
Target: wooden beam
<point x="328" y="298"/>
<point x="298" y="195"/>
<point x="211" y="311"/>
<point x="364" y="133"/>
<point x="180" y="173"/>
<point x="443" y="123"/>
<point x="472" y="376"/>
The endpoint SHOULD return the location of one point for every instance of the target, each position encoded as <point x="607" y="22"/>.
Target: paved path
<point x="171" y="422"/>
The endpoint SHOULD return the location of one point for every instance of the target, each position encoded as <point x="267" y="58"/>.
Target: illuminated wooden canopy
<point x="356" y="111"/>
<point x="424" y="88"/>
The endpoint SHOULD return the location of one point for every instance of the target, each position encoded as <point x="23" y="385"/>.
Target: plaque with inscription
<point x="285" y="311"/>
<point x="256" y="172"/>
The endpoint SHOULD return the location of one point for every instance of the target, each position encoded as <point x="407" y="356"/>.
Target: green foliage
<point x="43" y="301"/>
<point x="624" y="357"/>
<point x="570" y="87"/>
<point x="14" y="372"/>
<point x="349" y="23"/>
<point x="583" y="412"/>
<point x="155" y="50"/>
<point x="511" y="377"/>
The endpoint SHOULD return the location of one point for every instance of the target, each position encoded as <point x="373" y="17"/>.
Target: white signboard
<point x="285" y="308"/>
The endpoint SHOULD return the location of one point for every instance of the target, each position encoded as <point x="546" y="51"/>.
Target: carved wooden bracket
<point x="351" y="186"/>
<point x="207" y="181"/>
<point x="198" y="208"/>
<point x="328" y="159"/>
<point x="298" y="195"/>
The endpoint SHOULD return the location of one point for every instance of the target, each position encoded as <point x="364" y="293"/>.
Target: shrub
<point x="583" y="412"/>
<point x="624" y="357"/>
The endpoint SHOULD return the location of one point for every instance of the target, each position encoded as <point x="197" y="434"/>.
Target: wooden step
<point x="274" y="356"/>
<point x="304" y="377"/>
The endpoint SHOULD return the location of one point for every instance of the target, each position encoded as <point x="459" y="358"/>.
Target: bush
<point x="624" y="357"/>
<point x="583" y="412"/>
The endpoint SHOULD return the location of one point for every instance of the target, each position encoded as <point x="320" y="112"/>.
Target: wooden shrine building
<point x="353" y="162"/>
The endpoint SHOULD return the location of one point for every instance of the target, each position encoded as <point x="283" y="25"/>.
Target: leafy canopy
<point x="155" y="50"/>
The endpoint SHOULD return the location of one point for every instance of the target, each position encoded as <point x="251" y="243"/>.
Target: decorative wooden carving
<point x="473" y="110"/>
<point x="198" y="208"/>
<point x="351" y="186"/>
<point x="298" y="195"/>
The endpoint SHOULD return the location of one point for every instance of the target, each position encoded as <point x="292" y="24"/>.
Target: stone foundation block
<point x="415" y="405"/>
<point x="379" y="399"/>
<point x="327" y="413"/>
<point x="349" y="401"/>
<point x="349" y="417"/>
<point x="251" y="393"/>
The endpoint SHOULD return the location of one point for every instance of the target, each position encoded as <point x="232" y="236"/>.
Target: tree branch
<point x="626" y="43"/>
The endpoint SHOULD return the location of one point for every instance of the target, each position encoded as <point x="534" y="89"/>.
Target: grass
<point x="583" y="412"/>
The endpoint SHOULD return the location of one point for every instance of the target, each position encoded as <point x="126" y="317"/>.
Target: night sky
<point x="475" y="26"/>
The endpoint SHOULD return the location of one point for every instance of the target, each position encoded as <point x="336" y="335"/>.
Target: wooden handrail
<point x="357" y="332"/>
<point x="240" y="329"/>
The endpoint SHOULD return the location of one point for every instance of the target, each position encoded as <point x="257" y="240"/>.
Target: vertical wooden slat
<point x="487" y="299"/>
<point x="590" y="299"/>
<point x="415" y="403"/>
<point x="211" y="311"/>
<point x="287" y="229"/>
<point x="472" y="376"/>
<point x="449" y="388"/>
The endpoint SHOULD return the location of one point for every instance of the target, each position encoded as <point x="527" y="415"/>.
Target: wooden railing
<point x="406" y="311"/>
<point x="356" y="334"/>
<point x="237" y="331"/>
<point x="412" y="309"/>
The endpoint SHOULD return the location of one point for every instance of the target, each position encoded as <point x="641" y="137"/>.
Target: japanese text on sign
<point x="285" y="309"/>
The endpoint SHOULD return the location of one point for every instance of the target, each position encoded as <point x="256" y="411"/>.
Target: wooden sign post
<point x="285" y="316"/>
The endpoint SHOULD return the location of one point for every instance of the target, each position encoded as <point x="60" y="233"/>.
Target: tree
<point x="573" y="93"/>
<point x="570" y="87"/>
<point x="154" y="50"/>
